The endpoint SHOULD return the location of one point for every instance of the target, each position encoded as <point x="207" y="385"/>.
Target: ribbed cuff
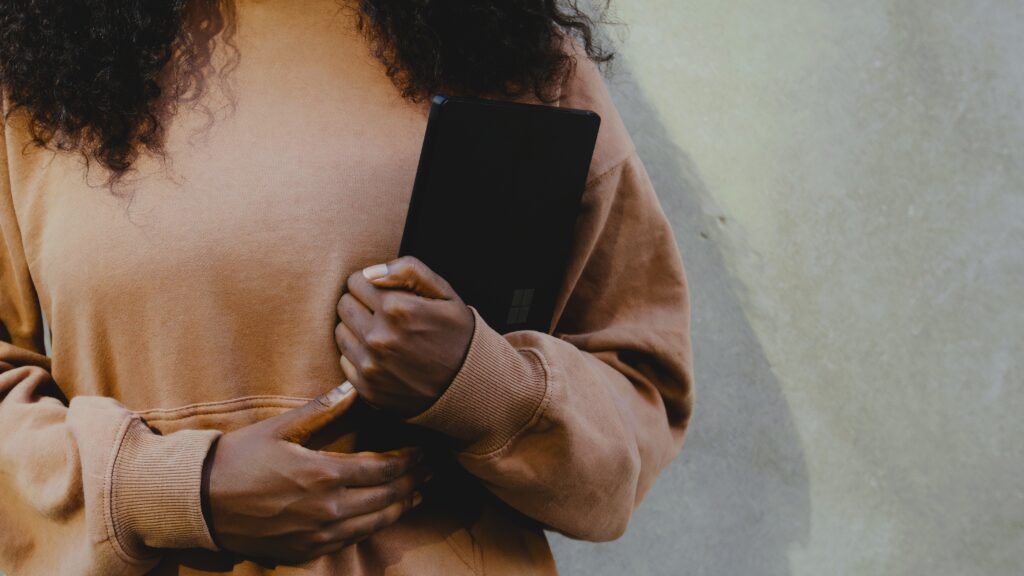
<point x="155" y="490"/>
<point x="494" y="395"/>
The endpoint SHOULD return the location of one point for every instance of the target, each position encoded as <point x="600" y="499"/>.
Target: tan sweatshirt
<point x="209" y="302"/>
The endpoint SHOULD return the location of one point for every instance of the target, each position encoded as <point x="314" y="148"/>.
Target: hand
<point x="271" y="497"/>
<point x="403" y="334"/>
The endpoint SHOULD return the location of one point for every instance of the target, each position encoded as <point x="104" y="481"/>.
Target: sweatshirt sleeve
<point x="87" y="487"/>
<point x="571" y="428"/>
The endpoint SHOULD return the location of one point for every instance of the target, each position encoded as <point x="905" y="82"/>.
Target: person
<point x="239" y="376"/>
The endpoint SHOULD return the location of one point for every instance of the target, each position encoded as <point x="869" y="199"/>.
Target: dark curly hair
<point x="101" y="76"/>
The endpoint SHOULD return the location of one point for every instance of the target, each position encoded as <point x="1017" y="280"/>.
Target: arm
<point x="87" y="487"/>
<point x="572" y="428"/>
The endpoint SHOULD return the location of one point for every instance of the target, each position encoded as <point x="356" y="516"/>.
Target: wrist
<point x="496" y="393"/>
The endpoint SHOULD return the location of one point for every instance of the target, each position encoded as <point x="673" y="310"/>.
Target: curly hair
<point x="100" y="76"/>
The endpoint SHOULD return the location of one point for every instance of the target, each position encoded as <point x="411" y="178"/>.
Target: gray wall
<point x="845" y="180"/>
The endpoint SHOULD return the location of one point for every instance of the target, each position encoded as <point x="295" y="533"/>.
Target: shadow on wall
<point x="736" y="500"/>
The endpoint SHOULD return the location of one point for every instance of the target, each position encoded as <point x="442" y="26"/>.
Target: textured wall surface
<point x="846" y="181"/>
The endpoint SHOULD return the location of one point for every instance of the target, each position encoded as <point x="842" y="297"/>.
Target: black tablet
<point x="495" y="201"/>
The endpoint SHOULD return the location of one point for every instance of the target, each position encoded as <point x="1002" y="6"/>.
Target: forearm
<point x="91" y="476"/>
<point x="571" y="438"/>
<point x="573" y="427"/>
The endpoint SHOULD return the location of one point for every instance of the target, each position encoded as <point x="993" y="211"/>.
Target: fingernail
<point x="375" y="271"/>
<point x="416" y="499"/>
<point x="338" y="394"/>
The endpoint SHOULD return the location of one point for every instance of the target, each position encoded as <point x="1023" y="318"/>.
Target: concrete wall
<point x="847" y="185"/>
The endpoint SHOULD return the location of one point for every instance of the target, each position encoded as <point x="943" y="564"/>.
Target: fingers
<point x="343" y="498"/>
<point x="359" y="501"/>
<point x="353" y="352"/>
<point x="298" y="424"/>
<point x="372" y="284"/>
<point x="361" y="469"/>
<point x="368" y="294"/>
<point x="351" y="372"/>
<point x="355" y="315"/>
<point x="350" y="530"/>
<point x="408" y="273"/>
<point x="365" y="359"/>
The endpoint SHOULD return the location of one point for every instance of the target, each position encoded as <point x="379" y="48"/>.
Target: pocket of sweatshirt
<point x="223" y="415"/>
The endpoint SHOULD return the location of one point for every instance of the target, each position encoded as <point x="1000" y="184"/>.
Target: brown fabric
<point x="208" y="303"/>
<point x="155" y="489"/>
<point x="499" y="411"/>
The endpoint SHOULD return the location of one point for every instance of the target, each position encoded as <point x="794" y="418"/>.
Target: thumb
<point x="298" y="424"/>
<point x="409" y="273"/>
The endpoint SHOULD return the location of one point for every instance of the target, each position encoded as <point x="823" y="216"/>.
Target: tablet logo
<point x="520" y="309"/>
